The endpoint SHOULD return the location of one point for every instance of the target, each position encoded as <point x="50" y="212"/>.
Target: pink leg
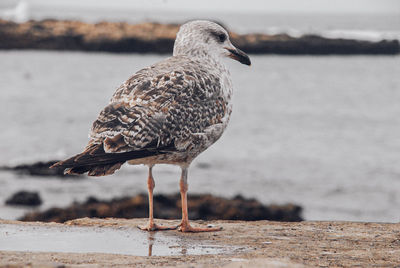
<point x="151" y="226"/>
<point x="185" y="226"/>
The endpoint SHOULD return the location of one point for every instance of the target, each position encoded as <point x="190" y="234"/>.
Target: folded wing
<point x="148" y="115"/>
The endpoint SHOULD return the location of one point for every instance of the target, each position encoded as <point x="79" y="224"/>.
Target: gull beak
<point x="239" y="55"/>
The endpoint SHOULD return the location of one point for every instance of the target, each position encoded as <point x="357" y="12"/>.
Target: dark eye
<point x="221" y="37"/>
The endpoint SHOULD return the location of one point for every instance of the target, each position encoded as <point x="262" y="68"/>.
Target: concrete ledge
<point x="257" y="244"/>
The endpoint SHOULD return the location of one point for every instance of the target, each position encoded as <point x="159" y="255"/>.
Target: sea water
<point x="322" y="132"/>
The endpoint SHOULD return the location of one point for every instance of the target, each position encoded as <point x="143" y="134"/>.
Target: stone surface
<point x="159" y="38"/>
<point x="39" y="169"/>
<point x="262" y="244"/>
<point x="24" y="198"/>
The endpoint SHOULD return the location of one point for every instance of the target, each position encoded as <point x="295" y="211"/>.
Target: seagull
<point x="167" y="113"/>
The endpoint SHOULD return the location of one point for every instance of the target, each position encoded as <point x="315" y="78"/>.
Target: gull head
<point x="202" y="38"/>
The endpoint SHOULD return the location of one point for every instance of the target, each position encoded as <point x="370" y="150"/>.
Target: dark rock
<point x="25" y="198"/>
<point x="75" y="35"/>
<point x="159" y="38"/>
<point x="315" y="45"/>
<point x="40" y="169"/>
<point x="201" y="206"/>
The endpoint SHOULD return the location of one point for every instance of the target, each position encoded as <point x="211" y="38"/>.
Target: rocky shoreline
<point x="159" y="38"/>
<point x="39" y="169"/>
<point x="201" y="206"/>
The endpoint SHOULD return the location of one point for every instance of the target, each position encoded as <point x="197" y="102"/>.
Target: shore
<point x="159" y="38"/>
<point x="239" y="244"/>
<point x="166" y="206"/>
<point x="201" y="206"/>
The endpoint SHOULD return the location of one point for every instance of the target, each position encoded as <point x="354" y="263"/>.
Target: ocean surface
<point x="322" y="132"/>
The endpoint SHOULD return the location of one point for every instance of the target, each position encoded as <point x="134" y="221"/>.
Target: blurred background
<point x="319" y="131"/>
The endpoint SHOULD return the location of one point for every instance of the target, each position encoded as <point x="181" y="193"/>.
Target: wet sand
<point x="240" y="244"/>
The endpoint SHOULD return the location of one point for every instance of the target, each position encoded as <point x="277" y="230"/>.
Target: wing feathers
<point x="98" y="163"/>
<point x="155" y="109"/>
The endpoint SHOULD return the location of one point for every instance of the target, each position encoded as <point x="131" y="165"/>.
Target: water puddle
<point x="127" y="241"/>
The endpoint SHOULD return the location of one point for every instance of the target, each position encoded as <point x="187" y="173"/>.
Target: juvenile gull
<point x="167" y="113"/>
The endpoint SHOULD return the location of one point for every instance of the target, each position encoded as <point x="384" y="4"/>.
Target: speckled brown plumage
<point x="160" y="105"/>
<point x="157" y="112"/>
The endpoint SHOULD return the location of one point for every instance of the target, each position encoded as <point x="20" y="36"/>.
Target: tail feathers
<point x="97" y="162"/>
<point x="99" y="170"/>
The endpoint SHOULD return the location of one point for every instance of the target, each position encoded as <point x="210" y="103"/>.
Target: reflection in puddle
<point x="127" y="241"/>
<point x="151" y="242"/>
